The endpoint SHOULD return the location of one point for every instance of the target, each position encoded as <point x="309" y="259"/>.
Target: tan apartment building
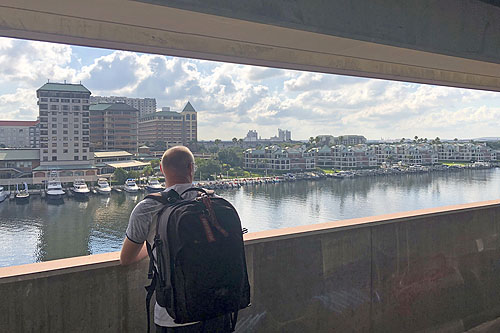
<point x="113" y="126"/>
<point x="64" y="133"/>
<point x="172" y="128"/>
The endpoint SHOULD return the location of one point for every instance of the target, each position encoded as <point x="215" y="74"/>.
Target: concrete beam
<point x="150" y="28"/>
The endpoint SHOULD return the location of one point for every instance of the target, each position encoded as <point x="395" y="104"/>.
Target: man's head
<point x="177" y="164"/>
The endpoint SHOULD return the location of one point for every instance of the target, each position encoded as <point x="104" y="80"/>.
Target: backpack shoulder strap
<point x="165" y="198"/>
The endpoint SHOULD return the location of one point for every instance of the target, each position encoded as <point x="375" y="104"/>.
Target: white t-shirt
<point x="141" y="228"/>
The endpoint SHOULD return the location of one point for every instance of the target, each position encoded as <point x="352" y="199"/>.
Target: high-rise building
<point x="18" y="134"/>
<point x="252" y="136"/>
<point x="284" y="135"/>
<point x="113" y="126"/>
<point x="144" y="105"/>
<point x="64" y="124"/>
<point x="169" y="127"/>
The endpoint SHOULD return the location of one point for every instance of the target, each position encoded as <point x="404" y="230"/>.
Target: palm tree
<point x="416" y="138"/>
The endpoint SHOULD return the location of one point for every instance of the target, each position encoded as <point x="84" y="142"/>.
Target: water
<point x="39" y="231"/>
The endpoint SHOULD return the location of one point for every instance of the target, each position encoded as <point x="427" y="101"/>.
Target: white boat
<point x="54" y="189"/>
<point x="80" y="187"/>
<point x="154" y="186"/>
<point x="130" y="186"/>
<point x="103" y="186"/>
<point x="22" y="194"/>
<point x="3" y="194"/>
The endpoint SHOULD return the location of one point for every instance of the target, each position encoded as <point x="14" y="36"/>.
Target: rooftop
<point x="64" y="87"/>
<point x="127" y="164"/>
<point x="64" y="167"/>
<point x="18" y="122"/>
<point x="189" y="107"/>
<point x="10" y="154"/>
<point x="105" y="154"/>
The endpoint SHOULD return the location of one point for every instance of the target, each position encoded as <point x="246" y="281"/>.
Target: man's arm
<point x="132" y="252"/>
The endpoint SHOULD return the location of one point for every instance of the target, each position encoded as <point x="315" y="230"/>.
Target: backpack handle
<point x="199" y="189"/>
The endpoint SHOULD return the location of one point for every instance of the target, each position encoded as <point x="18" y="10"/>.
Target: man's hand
<point x="132" y="252"/>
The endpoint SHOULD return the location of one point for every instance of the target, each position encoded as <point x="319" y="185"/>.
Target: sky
<point x="232" y="99"/>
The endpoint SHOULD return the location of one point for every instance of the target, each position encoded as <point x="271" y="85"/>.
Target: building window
<point x="65" y="125"/>
<point x="76" y="144"/>
<point x="64" y="100"/>
<point x="84" y="158"/>
<point x="54" y="119"/>
<point x="76" y="151"/>
<point x="65" y="119"/>
<point x="75" y="120"/>
<point x="65" y="132"/>
<point x="75" y="101"/>
<point x="45" y="158"/>
<point x="76" y="126"/>
<point x="65" y="144"/>
<point x="54" y="132"/>
<point x="54" y="125"/>
<point x="76" y="158"/>
<point x="65" y="108"/>
<point x="54" y="144"/>
<point x="75" y="138"/>
<point x="54" y="158"/>
<point x="54" y="107"/>
<point x="65" y="151"/>
<point x="77" y="132"/>
<point x="43" y="99"/>
<point x="44" y="106"/>
<point x="76" y="108"/>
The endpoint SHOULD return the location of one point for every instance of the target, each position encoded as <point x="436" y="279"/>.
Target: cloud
<point x="232" y="98"/>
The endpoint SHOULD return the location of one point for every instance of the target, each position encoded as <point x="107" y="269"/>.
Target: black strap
<point x="234" y="319"/>
<point x="152" y="274"/>
<point x="165" y="198"/>
<point x="150" y="291"/>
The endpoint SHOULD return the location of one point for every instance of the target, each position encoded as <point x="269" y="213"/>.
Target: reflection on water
<point x="43" y="230"/>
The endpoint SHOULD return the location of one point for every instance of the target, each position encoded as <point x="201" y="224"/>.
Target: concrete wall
<point x="430" y="270"/>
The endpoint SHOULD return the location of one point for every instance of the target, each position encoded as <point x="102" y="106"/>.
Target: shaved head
<point x="177" y="162"/>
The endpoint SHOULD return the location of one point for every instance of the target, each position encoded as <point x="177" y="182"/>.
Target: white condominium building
<point x="18" y="134"/>
<point x="64" y="124"/>
<point x="144" y="105"/>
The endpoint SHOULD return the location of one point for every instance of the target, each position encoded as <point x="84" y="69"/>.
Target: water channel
<point x="39" y="231"/>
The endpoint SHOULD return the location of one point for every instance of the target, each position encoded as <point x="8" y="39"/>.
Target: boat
<point x="130" y="186"/>
<point x="3" y="194"/>
<point x="154" y="185"/>
<point x="103" y="186"/>
<point x="80" y="188"/>
<point x="54" y="189"/>
<point x="22" y="194"/>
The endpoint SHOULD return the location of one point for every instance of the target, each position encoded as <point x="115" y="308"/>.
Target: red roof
<point x="18" y="122"/>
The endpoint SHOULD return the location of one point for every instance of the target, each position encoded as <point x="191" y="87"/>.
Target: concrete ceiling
<point x="150" y="28"/>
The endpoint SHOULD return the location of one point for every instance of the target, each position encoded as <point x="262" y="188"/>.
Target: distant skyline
<point x="232" y="99"/>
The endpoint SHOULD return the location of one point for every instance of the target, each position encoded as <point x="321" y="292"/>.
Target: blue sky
<point x="231" y="99"/>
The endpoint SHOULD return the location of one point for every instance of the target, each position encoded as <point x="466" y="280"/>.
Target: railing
<point x="433" y="270"/>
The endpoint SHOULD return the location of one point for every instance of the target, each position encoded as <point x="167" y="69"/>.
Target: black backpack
<point x="199" y="271"/>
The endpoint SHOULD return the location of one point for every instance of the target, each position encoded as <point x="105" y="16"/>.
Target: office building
<point x="169" y="127"/>
<point x="113" y="126"/>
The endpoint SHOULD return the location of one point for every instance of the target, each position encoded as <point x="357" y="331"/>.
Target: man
<point x="177" y="165"/>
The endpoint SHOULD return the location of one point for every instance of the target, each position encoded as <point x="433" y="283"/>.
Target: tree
<point x="120" y="175"/>
<point x="416" y="139"/>
<point x="455" y="139"/>
<point x="207" y="167"/>
<point x="235" y="140"/>
<point x="402" y="140"/>
<point x="231" y="156"/>
<point x="155" y="163"/>
<point x="147" y="171"/>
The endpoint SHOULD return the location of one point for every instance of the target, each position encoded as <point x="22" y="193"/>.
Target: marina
<point x="43" y="229"/>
